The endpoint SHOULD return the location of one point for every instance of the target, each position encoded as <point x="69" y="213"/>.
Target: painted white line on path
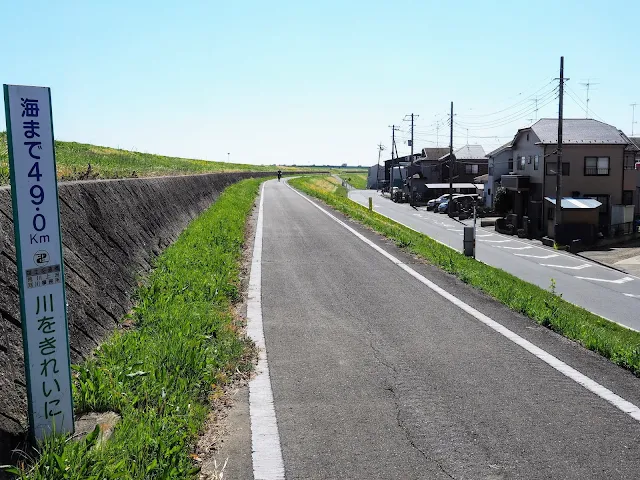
<point x="578" y="267"/>
<point x="265" y="440"/>
<point x="570" y="372"/>
<point x="632" y="295"/>
<point x="495" y="241"/>
<point x="527" y="247"/>
<point x="541" y="257"/>
<point x="618" y="281"/>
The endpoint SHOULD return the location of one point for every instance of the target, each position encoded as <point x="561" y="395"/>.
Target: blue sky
<point x="315" y="82"/>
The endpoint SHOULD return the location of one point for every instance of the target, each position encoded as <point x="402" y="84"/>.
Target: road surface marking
<point x="618" y="281"/>
<point x="454" y="229"/>
<point x="570" y="372"/>
<point x="579" y="267"/>
<point x="541" y="257"/>
<point x="495" y="241"/>
<point x="265" y="440"/>
<point x="632" y="295"/>
<point x="526" y="247"/>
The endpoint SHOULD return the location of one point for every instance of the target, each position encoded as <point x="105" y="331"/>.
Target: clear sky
<point x="316" y="82"/>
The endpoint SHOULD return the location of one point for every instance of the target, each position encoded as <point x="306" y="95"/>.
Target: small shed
<point x="580" y="218"/>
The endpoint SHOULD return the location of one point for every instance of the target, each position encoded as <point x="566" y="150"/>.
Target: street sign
<point x="36" y="220"/>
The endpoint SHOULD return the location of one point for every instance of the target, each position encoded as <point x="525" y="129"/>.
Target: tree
<point x="503" y="202"/>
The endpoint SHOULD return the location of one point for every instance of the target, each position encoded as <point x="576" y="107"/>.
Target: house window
<point x="551" y="168"/>
<point x="529" y="159"/>
<point x="536" y="162"/>
<point x="596" y="165"/>
<point x="471" y="169"/>
<point x="511" y="165"/>
<point x="627" y="197"/>
<point x="527" y="137"/>
<point x="521" y="162"/>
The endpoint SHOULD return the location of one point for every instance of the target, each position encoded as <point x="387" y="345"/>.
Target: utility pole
<point x="587" y="84"/>
<point x="437" y="135"/>
<point x="558" y="212"/>
<point x="451" y="162"/>
<point x="380" y="149"/>
<point x="394" y="128"/>
<point x="633" y="116"/>
<point x="412" y="118"/>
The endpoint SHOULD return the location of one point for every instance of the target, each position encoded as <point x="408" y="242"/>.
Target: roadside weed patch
<point x="160" y="375"/>
<point x="620" y="345"/>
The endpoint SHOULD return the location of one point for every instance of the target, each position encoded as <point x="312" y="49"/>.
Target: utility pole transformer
<point x="558" y="211"/>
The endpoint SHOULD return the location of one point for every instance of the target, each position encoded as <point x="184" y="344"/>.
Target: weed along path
<point x="382" y="366"/>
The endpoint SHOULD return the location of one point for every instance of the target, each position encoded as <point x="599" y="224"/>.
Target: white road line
<point x="454" y="229"/>
<point x="570" y="372"/>
<point x="527" y="247"/>
<point x="632" y="295"/>
<point x="265" y="440"/>
<point x="541" y="257"/>
<point x="618" y="281"/>
<point x="578" y="267"/>
<point x="495" y="241"/>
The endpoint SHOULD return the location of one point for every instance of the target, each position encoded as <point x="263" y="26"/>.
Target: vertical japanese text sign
<point x="36" y="220"/>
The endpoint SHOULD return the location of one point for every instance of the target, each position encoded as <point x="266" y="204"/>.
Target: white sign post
<point x="36" y="220"/>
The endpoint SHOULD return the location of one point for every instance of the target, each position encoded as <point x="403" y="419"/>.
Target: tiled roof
<point x="578" y="131"/>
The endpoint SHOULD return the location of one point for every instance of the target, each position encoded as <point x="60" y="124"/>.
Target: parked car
<point x="443" y="207"/>
<point x="442" y="198"/>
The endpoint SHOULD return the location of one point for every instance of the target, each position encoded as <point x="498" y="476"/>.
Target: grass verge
<point x="620" y="345"/>
<point x="356" y="180"/>
<point x="79" y="161"/>
<point x="160" y="376"/>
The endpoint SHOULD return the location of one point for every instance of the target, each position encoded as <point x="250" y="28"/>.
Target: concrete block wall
<point x="111" y="231"/>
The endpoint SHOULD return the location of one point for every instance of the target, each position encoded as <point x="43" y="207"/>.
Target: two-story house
<point x="470" y="163"/>
<point x="500" y="162"/>
<point x="593" y="166"/>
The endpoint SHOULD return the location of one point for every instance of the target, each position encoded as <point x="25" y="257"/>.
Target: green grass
<point x="160" y="376"/>
<point x="356" y="180"/>
<point x="620" y="345"/>
<point x="73" y="160"/>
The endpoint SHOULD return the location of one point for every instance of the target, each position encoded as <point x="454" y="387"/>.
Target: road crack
<point x="390" y="388"/>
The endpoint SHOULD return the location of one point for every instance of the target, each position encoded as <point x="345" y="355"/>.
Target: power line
<point x="507" y="121"/>
<point x="524" y="100"/>
<point x="521" y="113"/>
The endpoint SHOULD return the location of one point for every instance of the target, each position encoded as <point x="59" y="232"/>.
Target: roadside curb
<point x="602" y="264"/>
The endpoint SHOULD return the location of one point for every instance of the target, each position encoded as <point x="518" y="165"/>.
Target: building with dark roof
<point x="596" y="164"/>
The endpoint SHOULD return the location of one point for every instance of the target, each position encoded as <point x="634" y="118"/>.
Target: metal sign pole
<point x="36" y="221"/>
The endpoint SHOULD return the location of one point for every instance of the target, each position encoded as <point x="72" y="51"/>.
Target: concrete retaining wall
<point x="111" y="232"/>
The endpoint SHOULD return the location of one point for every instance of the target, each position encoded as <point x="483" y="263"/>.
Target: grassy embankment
<point x="620" y="345"/>
<point x="161" y="375"/>
<point x="73" y="160"/>
<point x="356" y="180"/>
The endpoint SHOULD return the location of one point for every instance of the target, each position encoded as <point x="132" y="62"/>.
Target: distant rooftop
<point x="577" y="131"/>
<point x="470" y="152"/>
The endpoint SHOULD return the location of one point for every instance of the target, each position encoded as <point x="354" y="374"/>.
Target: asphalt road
<point x="607" y="292"/>
<point x="376" y="376"/>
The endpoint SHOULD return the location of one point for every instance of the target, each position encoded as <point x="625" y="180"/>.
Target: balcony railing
<point x="596" y="171"/>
